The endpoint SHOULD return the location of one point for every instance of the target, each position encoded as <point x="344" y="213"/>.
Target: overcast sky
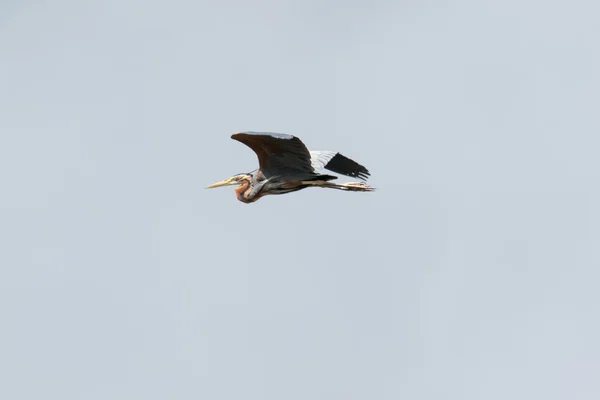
<point x="471" y="273"/>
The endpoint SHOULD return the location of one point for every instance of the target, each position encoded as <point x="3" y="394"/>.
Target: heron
<point x="286" y="165"/>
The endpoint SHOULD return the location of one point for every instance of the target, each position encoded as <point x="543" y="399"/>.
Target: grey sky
<point x="471" y="273"/>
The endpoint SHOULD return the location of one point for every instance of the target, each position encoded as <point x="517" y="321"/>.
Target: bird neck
<point x="244" y="191"/>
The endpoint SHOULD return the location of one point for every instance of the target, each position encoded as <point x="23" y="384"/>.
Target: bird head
<point x="234" y="180"/>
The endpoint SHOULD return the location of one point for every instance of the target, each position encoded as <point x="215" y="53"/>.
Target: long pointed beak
<point x="226" y="182"/>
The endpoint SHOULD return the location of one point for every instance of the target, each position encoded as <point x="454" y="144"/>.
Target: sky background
<point x="471" y="273"/>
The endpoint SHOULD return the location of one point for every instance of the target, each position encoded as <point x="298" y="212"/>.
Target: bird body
<point x="286" y="166"/>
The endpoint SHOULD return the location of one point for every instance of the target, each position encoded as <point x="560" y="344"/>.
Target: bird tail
<point x="324" y="178"/>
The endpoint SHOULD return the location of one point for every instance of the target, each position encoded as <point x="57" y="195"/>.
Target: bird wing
<point x="318" y="159"/>
<point x="336" y="162"/>
<point x="278" y="153"/>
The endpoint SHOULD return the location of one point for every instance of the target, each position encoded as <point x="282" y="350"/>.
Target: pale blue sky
<point x="472" y="273"/>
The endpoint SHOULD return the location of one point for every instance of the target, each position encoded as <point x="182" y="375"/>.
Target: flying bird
<point x="286" y="165"/>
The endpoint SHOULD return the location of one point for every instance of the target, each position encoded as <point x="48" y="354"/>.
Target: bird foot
<point x="357" y="187"/>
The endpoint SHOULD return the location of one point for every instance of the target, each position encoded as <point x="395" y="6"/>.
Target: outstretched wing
<point x="278" y="153"/>
<point x="338" y="163"/>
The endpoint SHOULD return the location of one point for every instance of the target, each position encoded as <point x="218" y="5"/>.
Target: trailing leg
<point x="350" y="186"/>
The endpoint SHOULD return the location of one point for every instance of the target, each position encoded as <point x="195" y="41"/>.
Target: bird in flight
<point x="286" y="165"/>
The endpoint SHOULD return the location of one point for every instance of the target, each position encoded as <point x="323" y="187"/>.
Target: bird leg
<point x="350" y="186"/>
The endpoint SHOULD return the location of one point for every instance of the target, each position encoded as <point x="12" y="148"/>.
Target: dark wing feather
<point x="345" y="166"/>
<point x="278" y="153"/>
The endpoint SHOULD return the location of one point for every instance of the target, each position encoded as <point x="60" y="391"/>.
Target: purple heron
<point x="286" y="165"/>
